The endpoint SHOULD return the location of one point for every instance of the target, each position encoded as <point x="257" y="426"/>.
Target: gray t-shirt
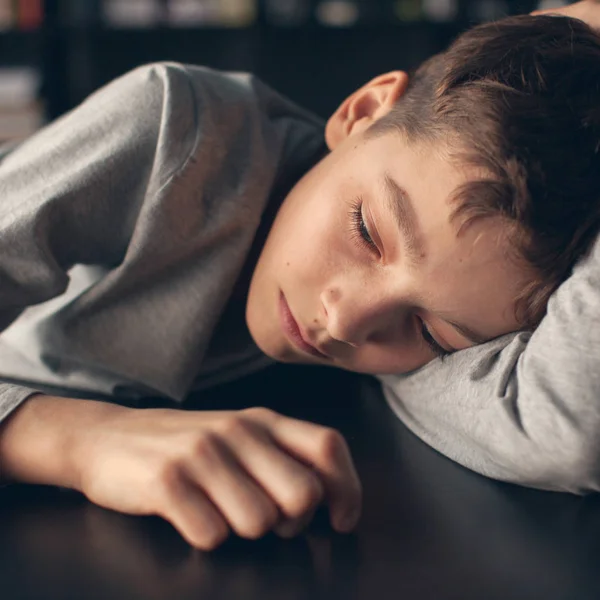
<point x="125" y="224"/>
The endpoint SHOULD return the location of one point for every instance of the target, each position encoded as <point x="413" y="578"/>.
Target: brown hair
<point x="519" y="98"/>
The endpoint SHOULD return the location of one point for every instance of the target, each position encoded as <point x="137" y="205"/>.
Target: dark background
<point x="76" y="49"/>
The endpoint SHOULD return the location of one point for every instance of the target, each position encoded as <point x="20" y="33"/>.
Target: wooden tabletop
<point x="430" y="529"/>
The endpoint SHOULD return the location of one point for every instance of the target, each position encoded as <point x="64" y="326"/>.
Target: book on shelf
<point x="21" y="110"/>
<point x="143" y="14"/>
<point x="21" y="15"/>
<point x="30" y="14"/>
<point x="215" y="13"/>
<point x="7" y="17"/>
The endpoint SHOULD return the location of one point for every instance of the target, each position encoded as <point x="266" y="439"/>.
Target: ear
<point x="365" y="106"/>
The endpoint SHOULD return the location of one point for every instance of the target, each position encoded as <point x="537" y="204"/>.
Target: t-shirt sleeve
<point x="524" y="408"/>
<point x="73" y="193"/>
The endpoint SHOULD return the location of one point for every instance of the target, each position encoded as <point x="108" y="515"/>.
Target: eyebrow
<point x="401" y="206"/>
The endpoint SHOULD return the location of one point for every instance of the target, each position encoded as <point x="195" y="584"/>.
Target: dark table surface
<point x="430" y="529"/>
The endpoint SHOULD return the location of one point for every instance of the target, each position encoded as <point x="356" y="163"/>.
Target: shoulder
<point x="178" y="95"/>
<point x="146" y="87"/>
<point x="184" y="81"/>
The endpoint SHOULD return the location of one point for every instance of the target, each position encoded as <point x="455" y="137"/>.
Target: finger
<point x="188" y="509"/>
<point x="289" y="528"/>
<point x="327" y="452"/>
<point x="294" y="487"/>
<point x="240" y="500"/>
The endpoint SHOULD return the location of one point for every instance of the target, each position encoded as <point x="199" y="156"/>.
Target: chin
<point x="262" y="339"/>
<point x="276" y="351"/>
<point x="275" y="348"/>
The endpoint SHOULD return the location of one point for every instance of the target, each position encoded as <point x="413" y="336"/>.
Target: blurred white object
<point x="132" y="13"/>
<point x="18" y="85"/>
<point x="7" y="17"/>
<point x="193" y="12"/>
<point x="238" y="13"/>
<point x="440" y="10"/>
<point x="337" y="13"/>
<point x="21" y="112"/>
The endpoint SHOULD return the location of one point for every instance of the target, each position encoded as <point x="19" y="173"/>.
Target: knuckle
<point x="234" y="427"/>
<point x="167" y="476"/>
<point x="259" y="524"/>
<point x="259" y="413"/>
<point x="205" y="446"/>
<point x="304" y="498"/>
<point x="330" y="444"/>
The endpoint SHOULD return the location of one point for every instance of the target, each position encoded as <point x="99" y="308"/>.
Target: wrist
<point x="45" y="441"/>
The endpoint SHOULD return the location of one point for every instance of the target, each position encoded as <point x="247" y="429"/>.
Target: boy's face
<point x="364" y="264"/>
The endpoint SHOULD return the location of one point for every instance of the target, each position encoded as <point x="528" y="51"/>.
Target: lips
<point x="292" y="330"/>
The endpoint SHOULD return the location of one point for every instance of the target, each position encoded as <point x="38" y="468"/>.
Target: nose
<point x="356" y="316"/>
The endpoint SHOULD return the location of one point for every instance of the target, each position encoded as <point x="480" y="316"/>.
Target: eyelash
<point x="430" y="341"/>
<point x="360" y="231"/>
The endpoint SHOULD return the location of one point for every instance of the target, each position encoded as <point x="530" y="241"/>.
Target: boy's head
<point x="450" y="206"/>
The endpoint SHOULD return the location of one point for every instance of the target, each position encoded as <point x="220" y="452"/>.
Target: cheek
<point x="399" y="350"/>
<point x="312" y="244"/>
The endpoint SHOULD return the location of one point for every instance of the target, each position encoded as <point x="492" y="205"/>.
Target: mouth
<point x="292" y="330"/>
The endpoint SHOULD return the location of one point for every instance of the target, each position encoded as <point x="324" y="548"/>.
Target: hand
<point x="205" y="472"/>
<point x="586" y="10"/>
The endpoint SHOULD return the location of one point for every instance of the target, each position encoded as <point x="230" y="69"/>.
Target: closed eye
<point x="359" y="230"/>
<point x="430" y="340"/>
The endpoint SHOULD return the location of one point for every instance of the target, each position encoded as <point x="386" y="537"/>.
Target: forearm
<point x="42" y="442"/>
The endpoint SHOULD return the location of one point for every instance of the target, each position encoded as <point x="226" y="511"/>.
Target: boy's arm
<point x="522" y="408"/>
<point x="75" y="192"/>
<point x="205" y="471"/>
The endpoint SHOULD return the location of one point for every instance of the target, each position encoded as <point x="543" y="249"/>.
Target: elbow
<point x="570" y="466"/>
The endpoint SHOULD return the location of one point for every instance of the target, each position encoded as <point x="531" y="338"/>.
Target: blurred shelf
<point x="309" y="28"/>
<point x="20" y="47"/>
<point x="19" y="35"/>
<point x="313" y="63"/>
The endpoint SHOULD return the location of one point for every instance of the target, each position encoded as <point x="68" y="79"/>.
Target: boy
<point x="141" y="225"/>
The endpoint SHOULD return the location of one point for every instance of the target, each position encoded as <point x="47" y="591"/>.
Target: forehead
<point x="431" y="166"/>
